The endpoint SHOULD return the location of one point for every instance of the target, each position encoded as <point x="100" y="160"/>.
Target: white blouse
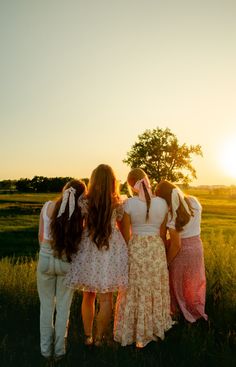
<point x="46" y="222"/>
<point x="192" y="228"/>
<point x="137" y="210"/>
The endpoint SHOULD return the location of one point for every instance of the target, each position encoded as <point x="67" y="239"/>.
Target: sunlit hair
<point x="164" y="190"/>
<point x="66" y="233"/>
<point x="103" y="197"/>
<point x="135" y="175"/>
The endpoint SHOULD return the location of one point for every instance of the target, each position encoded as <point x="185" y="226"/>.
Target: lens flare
<point x="228" y="157"/>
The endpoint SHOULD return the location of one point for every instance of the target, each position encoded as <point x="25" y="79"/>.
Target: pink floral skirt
<point x="188" y="280"/>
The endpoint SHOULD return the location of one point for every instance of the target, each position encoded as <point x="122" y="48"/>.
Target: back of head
<point x="103" y="183"/>
<point x="135" y="175"/>
<point x="78" y="185"/>
<point x="164" y="190"/>
<point x="103" y="196"/>
<point x="67" y="220"/>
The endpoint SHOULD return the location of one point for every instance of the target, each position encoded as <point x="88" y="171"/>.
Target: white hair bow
<point x="68" y="194"/>
<point x="177" y="197"/>
<point x="138" y="187"/>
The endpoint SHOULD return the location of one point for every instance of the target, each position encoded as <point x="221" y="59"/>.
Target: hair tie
<point x="68" y="195"/>
<point x="138" y="188"/>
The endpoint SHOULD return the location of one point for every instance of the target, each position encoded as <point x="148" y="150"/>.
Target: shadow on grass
<point x="19" y="243"/>
<point x="22" y="209"/>
<point x="200" y="344"/>
<point x="19" y="336"/>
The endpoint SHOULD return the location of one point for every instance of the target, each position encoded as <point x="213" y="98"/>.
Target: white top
<point x="137" y="210"/>
<point x="192" y="228"/>
<point x="46" y="222"/>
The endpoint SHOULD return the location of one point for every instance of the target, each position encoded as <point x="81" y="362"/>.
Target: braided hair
<point x="135" y="175"/>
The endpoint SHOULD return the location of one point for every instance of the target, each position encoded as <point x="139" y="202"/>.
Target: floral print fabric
<point x="143" y="310"/>
<point x="104" y="270"/>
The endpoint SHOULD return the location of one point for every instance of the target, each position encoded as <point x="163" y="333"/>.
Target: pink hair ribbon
<point x="138" y="188"/>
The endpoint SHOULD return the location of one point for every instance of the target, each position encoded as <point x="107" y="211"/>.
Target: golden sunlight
<point x="228" y="157"/>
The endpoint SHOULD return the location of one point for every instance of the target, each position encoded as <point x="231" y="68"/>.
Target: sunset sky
<point x="81" y="79"/>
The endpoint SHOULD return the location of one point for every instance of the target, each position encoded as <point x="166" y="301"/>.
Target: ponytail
<point x="148" y="200"/>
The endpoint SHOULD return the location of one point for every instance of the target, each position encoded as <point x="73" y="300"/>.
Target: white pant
<point x="54" y="295"/>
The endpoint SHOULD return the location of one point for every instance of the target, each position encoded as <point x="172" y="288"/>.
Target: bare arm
<point x="125" y="227"/>
<point x="163" y="230"/>
<point x="40" y="232"/>
<point x="175" y="245"/>
<point x="41" y="221"/>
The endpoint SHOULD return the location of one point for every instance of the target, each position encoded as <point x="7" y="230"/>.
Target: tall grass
<point x="18" y="280"/>
<point x="220" y="261"/>
<point x="210" y="343"/>
<point x="19" y="312"/>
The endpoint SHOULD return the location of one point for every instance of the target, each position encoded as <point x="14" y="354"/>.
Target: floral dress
<point x="100" y="270"/>
<point x="143" y="310"/>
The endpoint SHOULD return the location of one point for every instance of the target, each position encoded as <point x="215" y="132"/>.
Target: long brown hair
<point x="164" y="190"/>
<point x="66" y="233"/>
<point x="135" y="175"/>
<point x="103" y="197"/>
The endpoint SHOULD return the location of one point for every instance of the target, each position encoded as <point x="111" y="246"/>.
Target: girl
<point x="185" y="253"/>
<point x="100" y="265"/>
<point x="143" y="311"/>
<point x="60" y="229"/>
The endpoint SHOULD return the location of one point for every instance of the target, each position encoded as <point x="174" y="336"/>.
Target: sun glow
<point x="228" y="157"/>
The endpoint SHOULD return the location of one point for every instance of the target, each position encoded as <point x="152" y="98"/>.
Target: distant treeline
<point x="37" y="184"/>
<point x="42" y="184"/>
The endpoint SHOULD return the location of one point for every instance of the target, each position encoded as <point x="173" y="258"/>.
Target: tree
<point x="7" y="184"/>
<point x="49" y="184"/>
<point x="85" y="180"/>
<point x="42" y="184"/>
<point x="124" y="189"/>
<point x="160" y="155"/>
<point x="24" y="185"/>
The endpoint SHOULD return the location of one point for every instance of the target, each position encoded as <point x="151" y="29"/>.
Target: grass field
<point x="211" y="343"/>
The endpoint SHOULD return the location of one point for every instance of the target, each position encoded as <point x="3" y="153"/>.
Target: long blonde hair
<point x="135" y="175"/>
<point x="103" y="197"/>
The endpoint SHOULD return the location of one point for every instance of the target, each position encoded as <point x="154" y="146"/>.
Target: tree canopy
<point x="160" y="155"/>
<point x="41" y="184"/>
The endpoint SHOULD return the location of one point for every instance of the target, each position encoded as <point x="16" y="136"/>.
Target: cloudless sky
<point x="81" y="79"/>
